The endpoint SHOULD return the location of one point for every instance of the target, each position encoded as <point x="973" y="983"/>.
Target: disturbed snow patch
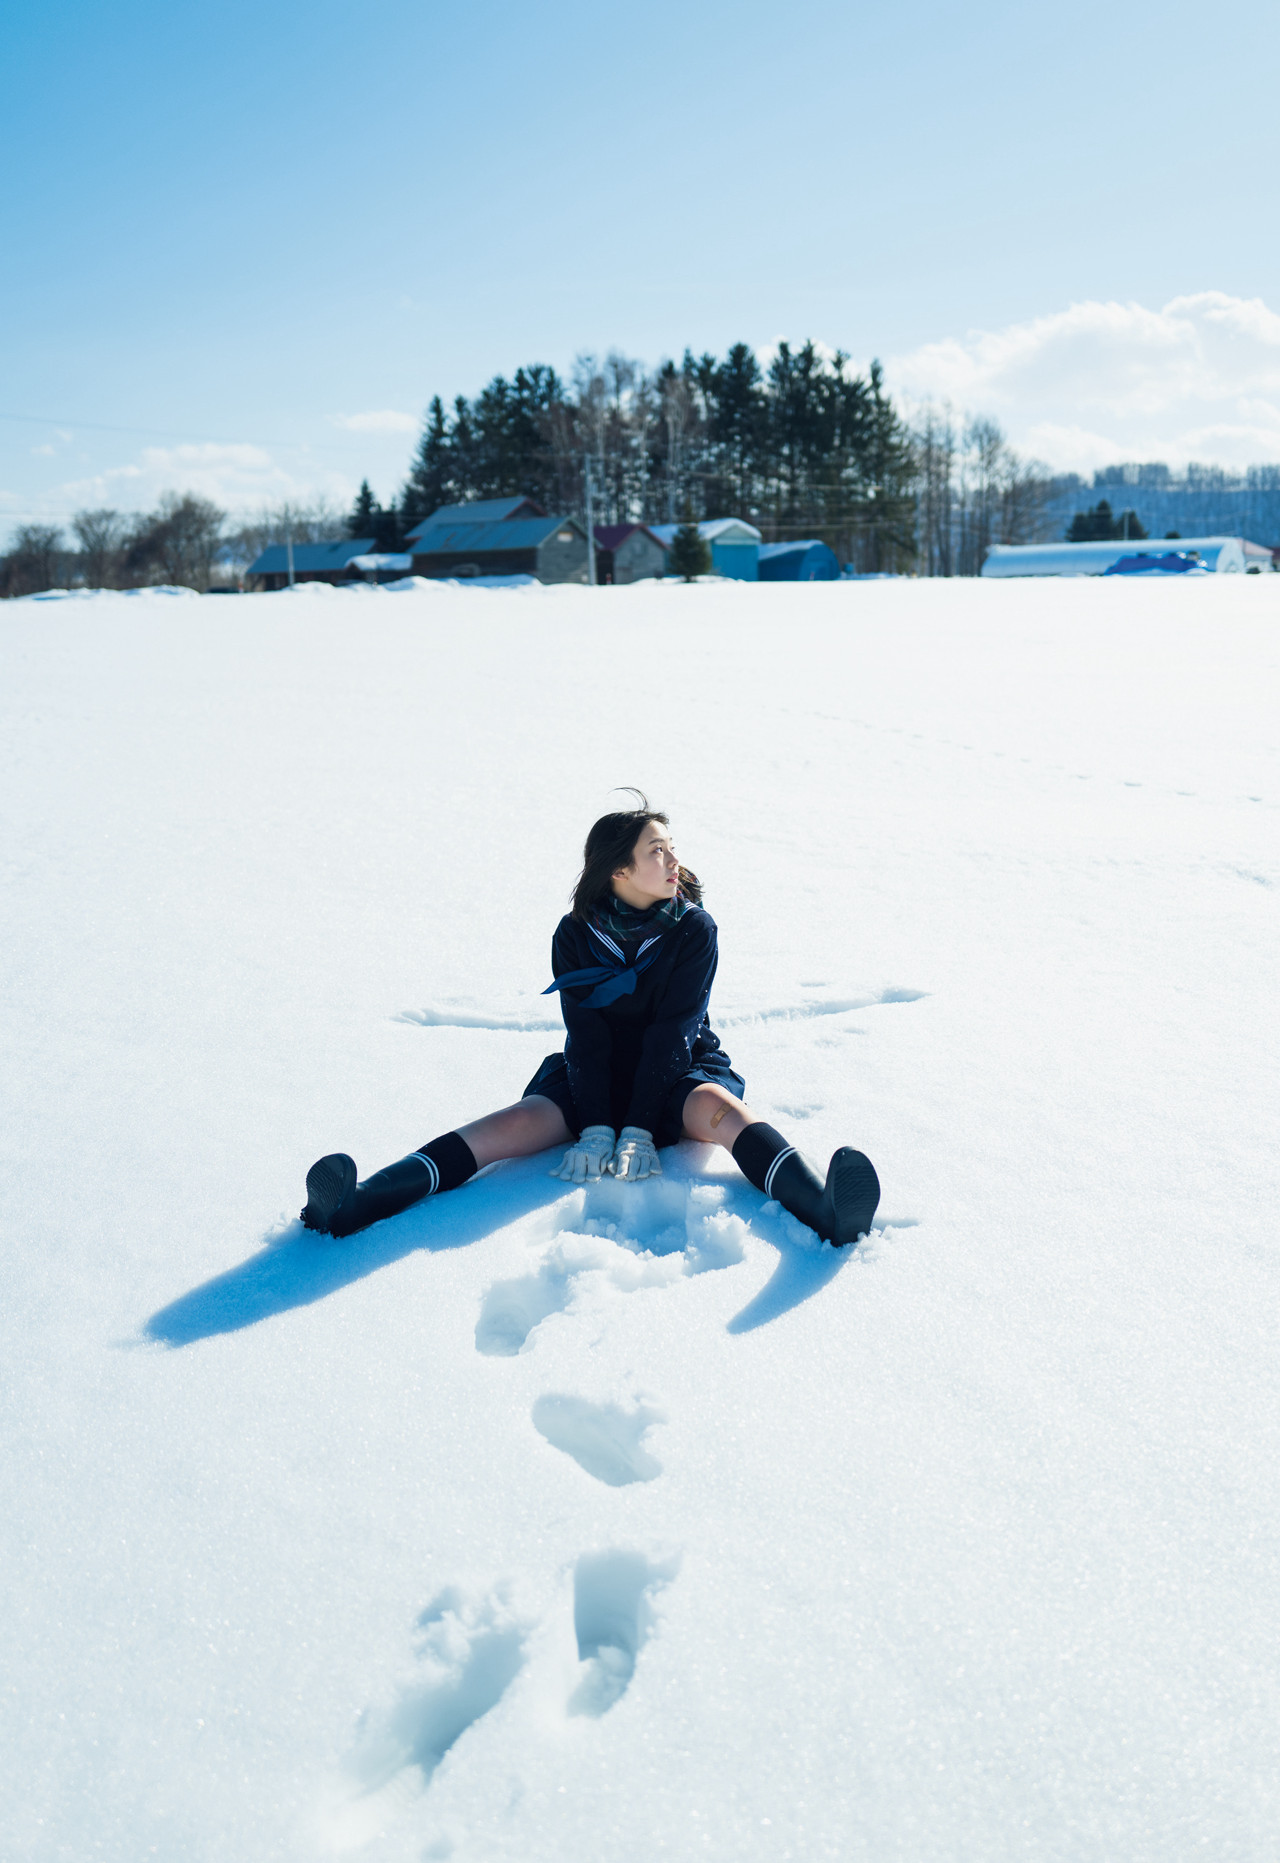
<point x="629" y="1235"/>
<point x="820" y="1000"/>
<point x="464" y="1012"/>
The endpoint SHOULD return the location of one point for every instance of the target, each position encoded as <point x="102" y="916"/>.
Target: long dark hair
<point x="611" y="843"/>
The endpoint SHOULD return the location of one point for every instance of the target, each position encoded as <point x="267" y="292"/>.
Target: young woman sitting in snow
<point x="633" y="963"/>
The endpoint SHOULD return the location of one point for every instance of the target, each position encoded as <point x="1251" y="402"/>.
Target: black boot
<point x="840" y="1210"/>
<point x="396" y="1187"/>
<point x="331" y="1182"/>
<point x="338" y="1206"/>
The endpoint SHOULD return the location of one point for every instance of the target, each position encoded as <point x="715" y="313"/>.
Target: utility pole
<point x="288" y="545"/>
<point x="591" y="524"/>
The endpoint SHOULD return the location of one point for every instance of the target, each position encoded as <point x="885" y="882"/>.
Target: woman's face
<point x="654" y="873"/>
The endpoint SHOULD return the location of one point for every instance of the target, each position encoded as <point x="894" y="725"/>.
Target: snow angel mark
<point x="633" y="963"/>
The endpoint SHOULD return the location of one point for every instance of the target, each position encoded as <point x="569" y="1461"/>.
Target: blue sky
<point x="240" y="228"/>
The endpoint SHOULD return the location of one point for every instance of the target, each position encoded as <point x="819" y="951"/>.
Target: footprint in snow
<point x="604" y="1439"/>
<point x="613" y="1617"/>
<point x="470" y="1650"/>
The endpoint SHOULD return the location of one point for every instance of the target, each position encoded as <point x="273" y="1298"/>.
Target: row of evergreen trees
<point x="805" y="447"/>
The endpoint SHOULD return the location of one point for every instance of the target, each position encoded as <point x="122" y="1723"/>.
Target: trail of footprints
<point x="472" y="1646"/>
<point x="470" y="1649"/>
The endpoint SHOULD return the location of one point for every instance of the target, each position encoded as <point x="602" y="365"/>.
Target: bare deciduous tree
<point x="100" y="534"/>
<point x="972" y="491"/>
<point x="313" y="520"/>
<point x="177" y="543"/>
<point x="36" y="560"/>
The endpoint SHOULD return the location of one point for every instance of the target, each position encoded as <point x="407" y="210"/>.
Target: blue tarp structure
<point x="807" y="560"/>
<point x="1169" y="563"/>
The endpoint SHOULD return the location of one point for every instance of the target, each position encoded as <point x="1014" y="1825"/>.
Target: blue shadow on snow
<point x="298" y="1268"/>
<point x="800" y="1274"/>
<point x="302" y="1268"/>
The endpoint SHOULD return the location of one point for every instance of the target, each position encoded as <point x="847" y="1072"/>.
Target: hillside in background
<point x="1202" y="501"/>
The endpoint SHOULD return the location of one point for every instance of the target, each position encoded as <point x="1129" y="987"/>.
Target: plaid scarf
<point x="628" y="925"/>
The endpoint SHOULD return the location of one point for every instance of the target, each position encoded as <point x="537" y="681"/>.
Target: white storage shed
<point x="1225" y="556"/>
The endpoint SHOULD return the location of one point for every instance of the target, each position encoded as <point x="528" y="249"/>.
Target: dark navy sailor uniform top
<point x="626" y="1054"/>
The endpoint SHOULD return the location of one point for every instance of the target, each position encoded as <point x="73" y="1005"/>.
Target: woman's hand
<point x="589" y="1158"/>
<point x="636" y="1155"/>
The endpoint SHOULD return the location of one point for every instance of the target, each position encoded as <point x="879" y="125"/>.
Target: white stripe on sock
<point x="434" y="1169"/>
<point x="772" y="1172"/>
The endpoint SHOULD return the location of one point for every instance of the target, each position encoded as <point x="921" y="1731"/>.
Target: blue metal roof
<point x="485" y="539"/>
<point x="481" y="511"/>
<point x="309" y="557"/>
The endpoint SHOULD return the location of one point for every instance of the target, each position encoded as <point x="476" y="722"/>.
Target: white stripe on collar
<point x="605" y="939"/>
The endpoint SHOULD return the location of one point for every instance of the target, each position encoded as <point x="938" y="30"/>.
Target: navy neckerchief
<point x="616" y="977"/>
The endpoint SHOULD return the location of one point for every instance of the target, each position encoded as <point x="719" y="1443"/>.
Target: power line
<point x="183" y="439"/>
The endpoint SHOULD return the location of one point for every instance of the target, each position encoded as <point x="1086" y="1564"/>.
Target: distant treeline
<point x="803" y="446"/>
<point x="806" y="446"/>
<point x="186" y="541"/>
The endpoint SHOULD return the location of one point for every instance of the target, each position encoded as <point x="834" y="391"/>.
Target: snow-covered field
<point x="545" y="1525"/>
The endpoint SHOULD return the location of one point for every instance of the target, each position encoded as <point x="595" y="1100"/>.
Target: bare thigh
<point x="714" y="1117"/>
<point x="533" y="1124"/>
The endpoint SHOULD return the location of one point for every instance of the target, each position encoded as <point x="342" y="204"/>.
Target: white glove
<point x="636" y="1155"/>
<point x="589" y="1158"/>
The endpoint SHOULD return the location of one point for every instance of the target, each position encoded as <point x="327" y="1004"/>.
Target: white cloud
<point x="1098" y="383"/>
<point x="240" y="477"/>
<point x="49" y="449"/>
<point x="378" y="420"/>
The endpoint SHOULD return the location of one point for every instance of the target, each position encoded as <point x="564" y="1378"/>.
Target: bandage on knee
<point x="718" y="1117"/>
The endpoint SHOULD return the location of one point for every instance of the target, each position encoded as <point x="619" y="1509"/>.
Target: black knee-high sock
<point x="452" y="1160"/>
<point x="773" y="1165"/>
<point x="442" y="1164"/>
<point x="760" y="1152"/>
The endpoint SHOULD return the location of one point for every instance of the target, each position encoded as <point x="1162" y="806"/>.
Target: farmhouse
<point x="628" y="553"/>
<point x="499" y="537"/>
<point x="312" y="562"/>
